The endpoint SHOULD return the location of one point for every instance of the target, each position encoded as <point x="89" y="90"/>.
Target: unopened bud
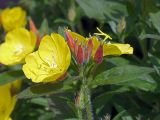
<point x="33" y="28"/>
<point x="121" y="25"/>
<point x="70" y="41"/>
<point x="98" y="57"/>
<point x="71" y="14"/>
<point x="90" y="47"/>
<point x="80" y="55"/>
<point x="88" y="50"/>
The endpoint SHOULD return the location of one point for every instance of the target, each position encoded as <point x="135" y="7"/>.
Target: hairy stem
<point x="84" y="104"/>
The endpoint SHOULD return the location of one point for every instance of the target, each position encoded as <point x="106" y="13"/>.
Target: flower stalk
<point x="83" y="101"/>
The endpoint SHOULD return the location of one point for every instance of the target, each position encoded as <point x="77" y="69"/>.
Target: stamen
<point x="103" y="34"/>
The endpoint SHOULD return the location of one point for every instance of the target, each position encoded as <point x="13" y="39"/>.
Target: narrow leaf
<point x="11" y="76"/>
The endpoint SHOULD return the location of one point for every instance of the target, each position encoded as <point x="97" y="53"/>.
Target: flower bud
<point x="98" y="57"/>
<point x="33" y="28"/>
<point x="88" y="50"/>
<point x="90" y="47"/>
<point x="80" y="55"/>
<point x="70" y="41"/>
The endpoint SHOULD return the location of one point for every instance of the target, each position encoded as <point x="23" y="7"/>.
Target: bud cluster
<point x="83" y="51"/>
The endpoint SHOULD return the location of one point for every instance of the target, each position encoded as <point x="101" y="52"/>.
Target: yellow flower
<point x="108" y="48"/>
<point x="50" y="62"/>
<point x="8" y="99"/>
<point x="18" y="43"/>
<point x="13" y="18"/>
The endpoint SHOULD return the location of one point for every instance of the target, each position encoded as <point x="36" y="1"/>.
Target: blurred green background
<point x="136" y="22"/>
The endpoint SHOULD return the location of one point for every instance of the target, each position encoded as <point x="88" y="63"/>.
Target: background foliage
<point x="124" y="88"/>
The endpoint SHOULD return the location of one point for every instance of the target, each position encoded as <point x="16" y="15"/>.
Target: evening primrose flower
<point x="18" y="43"/>
<point x="12" y="18"/>
<point x="50" y="62"/>
<point x="100" y="47"/>
<point x="8" y="99"/>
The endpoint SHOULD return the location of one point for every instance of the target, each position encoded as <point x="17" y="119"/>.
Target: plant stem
<point x="84" y="102"/>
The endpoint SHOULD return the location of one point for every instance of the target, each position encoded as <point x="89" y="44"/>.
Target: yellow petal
<point x="8" y="101"/>
<point x="77" y="37"/>
<point x="51" y="60"/>
<point x="13" y="18"/>
<point x="117" y="49"/>
<point x="112" y="49"/>
<point x="96" y="44"/>
<point x="18" y="43"/>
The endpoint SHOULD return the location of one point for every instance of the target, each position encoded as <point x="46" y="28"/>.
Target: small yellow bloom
<point x="18" y="43"/>
<point x="50" y="62"/>
<point x="8" y="99"/>
<point x="13" y="18"/>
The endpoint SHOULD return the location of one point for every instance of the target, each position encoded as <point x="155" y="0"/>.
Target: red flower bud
<point x="70" y="41"/>
<point x="33" y="28"/>
<point x="90" y="48"/>
<point x="98" y="57"/>
<point x="86" y="56"/>
<point x="80" y="55"/>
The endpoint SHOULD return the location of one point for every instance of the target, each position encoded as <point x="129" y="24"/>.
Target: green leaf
<point x="155" y="18"/>
<point x="123" y="115"/>
<point x="102" y="8"/>
<point x="72" y="119"/>
<point x="40" y="101"/>
<point x="104" y="97"/>
<point x="61" y="31"/>
<point x="150" y="36"/>
<point x="144" y="82"/>
<point x="41" y="89"/>
<point x="11" y="76"/>
<point x="44" y="28"/>
<point x="155" y="62"/>
<point x="118" y="61"/>
<point x="120" y="74"/>
<point x="113" y="26"/>
<point x="60" y="20"/>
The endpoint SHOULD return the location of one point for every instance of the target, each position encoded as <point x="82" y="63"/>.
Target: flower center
<point x="19" y="50"/>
